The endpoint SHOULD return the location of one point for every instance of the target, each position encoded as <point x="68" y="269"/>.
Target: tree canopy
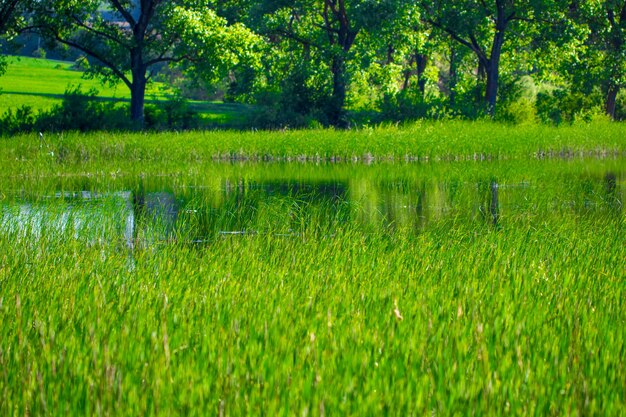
<point x="328" y="59"/>
<point x="130" y="39"/>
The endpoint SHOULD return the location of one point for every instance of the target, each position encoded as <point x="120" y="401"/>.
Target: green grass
<point x="522" y="320"/>
<point x="424" y="141"/>
<point x="41" y="83"/>
<point x="355" y="311"/>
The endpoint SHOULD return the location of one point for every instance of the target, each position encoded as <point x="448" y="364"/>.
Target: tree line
<point x="319" y="60"/>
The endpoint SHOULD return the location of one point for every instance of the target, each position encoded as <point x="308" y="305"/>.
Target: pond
<point x="290" y="200"/>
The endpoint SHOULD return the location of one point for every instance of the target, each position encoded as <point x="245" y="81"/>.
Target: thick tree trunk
<point x="137" y="90"/>
<point x="137" y="102"/>
<point x="421" y="61"/>
<point x="611" y="100"/>
<point x="493" y="73"/>
<point x="491" y="90"/>
<point x="336" y="116"/>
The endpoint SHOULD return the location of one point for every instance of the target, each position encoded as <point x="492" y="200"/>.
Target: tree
<point x="483" y="26"/>
<point x="10" y="21"/>
<point x="329" y="28"/>
<point x="602" y="54"/>
<point x="8" y="13"/>
<point x="130" y="39"/>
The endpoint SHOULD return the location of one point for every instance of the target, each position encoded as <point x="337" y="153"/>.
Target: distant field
<point x="40" y="83"/>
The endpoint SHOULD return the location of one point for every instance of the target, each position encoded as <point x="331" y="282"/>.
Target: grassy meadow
<point x="455" y="269"/>
<point x="421" y="141"/>
<point x="41" y="83"/>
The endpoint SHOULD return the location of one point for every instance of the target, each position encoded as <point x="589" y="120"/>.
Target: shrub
<point x="409" y="105"/>
<point x="82" y="111"/>
<point x="175" y="113"/>
<point x="20" y="120"/>
<point x="81" y="64"/>
<point x="39" y="53"/>
<point x="521" y="111"/>
<point x="564" y="106"/>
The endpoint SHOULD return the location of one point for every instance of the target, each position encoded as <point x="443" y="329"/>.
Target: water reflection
<point x="156" y="213"/>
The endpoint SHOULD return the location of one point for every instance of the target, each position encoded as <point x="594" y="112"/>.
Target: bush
<point x="39" y="53"/>
<point x="84" y="111"/>
<point x="81" y="64"/>
<point x="20" y="120"/>
<point x="564" y="106"/>
<point x="300" y="101"/>
<point x="175" y="113"/>
<point x="521" y="111"/>
<point x="409" y="105"/>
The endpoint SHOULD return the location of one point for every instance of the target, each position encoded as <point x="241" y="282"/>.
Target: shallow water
<point x="220" y="200"/>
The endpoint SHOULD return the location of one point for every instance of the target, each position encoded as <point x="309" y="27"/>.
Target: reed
<point x="367" y="304"/>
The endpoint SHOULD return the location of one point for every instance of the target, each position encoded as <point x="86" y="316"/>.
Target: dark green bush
<point x="84" y="111"/>
<point x="175" y="114"/>
<point x="564" y="106"/>
<point x="409" y="105"/>
<point x="20" y="120"/>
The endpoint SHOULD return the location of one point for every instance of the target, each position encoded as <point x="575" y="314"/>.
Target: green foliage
<point x="565" y="106"/>
<point x="83" y="111"/>
<point x="39" y="53"/>
<point x="19" y="120"/>
<point x="298" y="102"/>
<point x="311" y="63"/>
<point x="410" y="105"/>
<point x="172" y="114"/>
<point x="81" y="64"/>
<point x="127" y="41"/>
<point x="521" y="111"/>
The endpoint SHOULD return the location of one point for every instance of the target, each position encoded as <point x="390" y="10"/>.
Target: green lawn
<point x="40" y="84"/>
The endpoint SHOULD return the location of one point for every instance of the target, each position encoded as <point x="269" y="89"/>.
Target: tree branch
<point x="95" y="55"/>
<point x="6" y="12"/>
<point x="294" y="37"/>
<point x="125" y="14"/>
<point x="473" y="45"/>
<point x="97" y="32"/>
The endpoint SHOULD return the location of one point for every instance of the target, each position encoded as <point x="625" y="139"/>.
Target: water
<point x="290" y="200"/>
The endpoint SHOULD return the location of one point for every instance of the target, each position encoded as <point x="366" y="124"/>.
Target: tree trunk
<point x="491" y="90"/>
<point x="335" y="112"/>
<point x="493" y="73"/>
<point x="611" y="100"/>
<point x="453" y="76"/>
<point x="137" y="90"/>
<point x="420" y="63"/>
<point x="407" y="77"/>
<point x="481" y="74"/>
<point x="137" y="101"/>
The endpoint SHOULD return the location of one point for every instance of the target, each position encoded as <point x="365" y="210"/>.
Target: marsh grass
<point x="425" y="141"/>
<point x="520" y="320"/>
<point x="349" y="306"/>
